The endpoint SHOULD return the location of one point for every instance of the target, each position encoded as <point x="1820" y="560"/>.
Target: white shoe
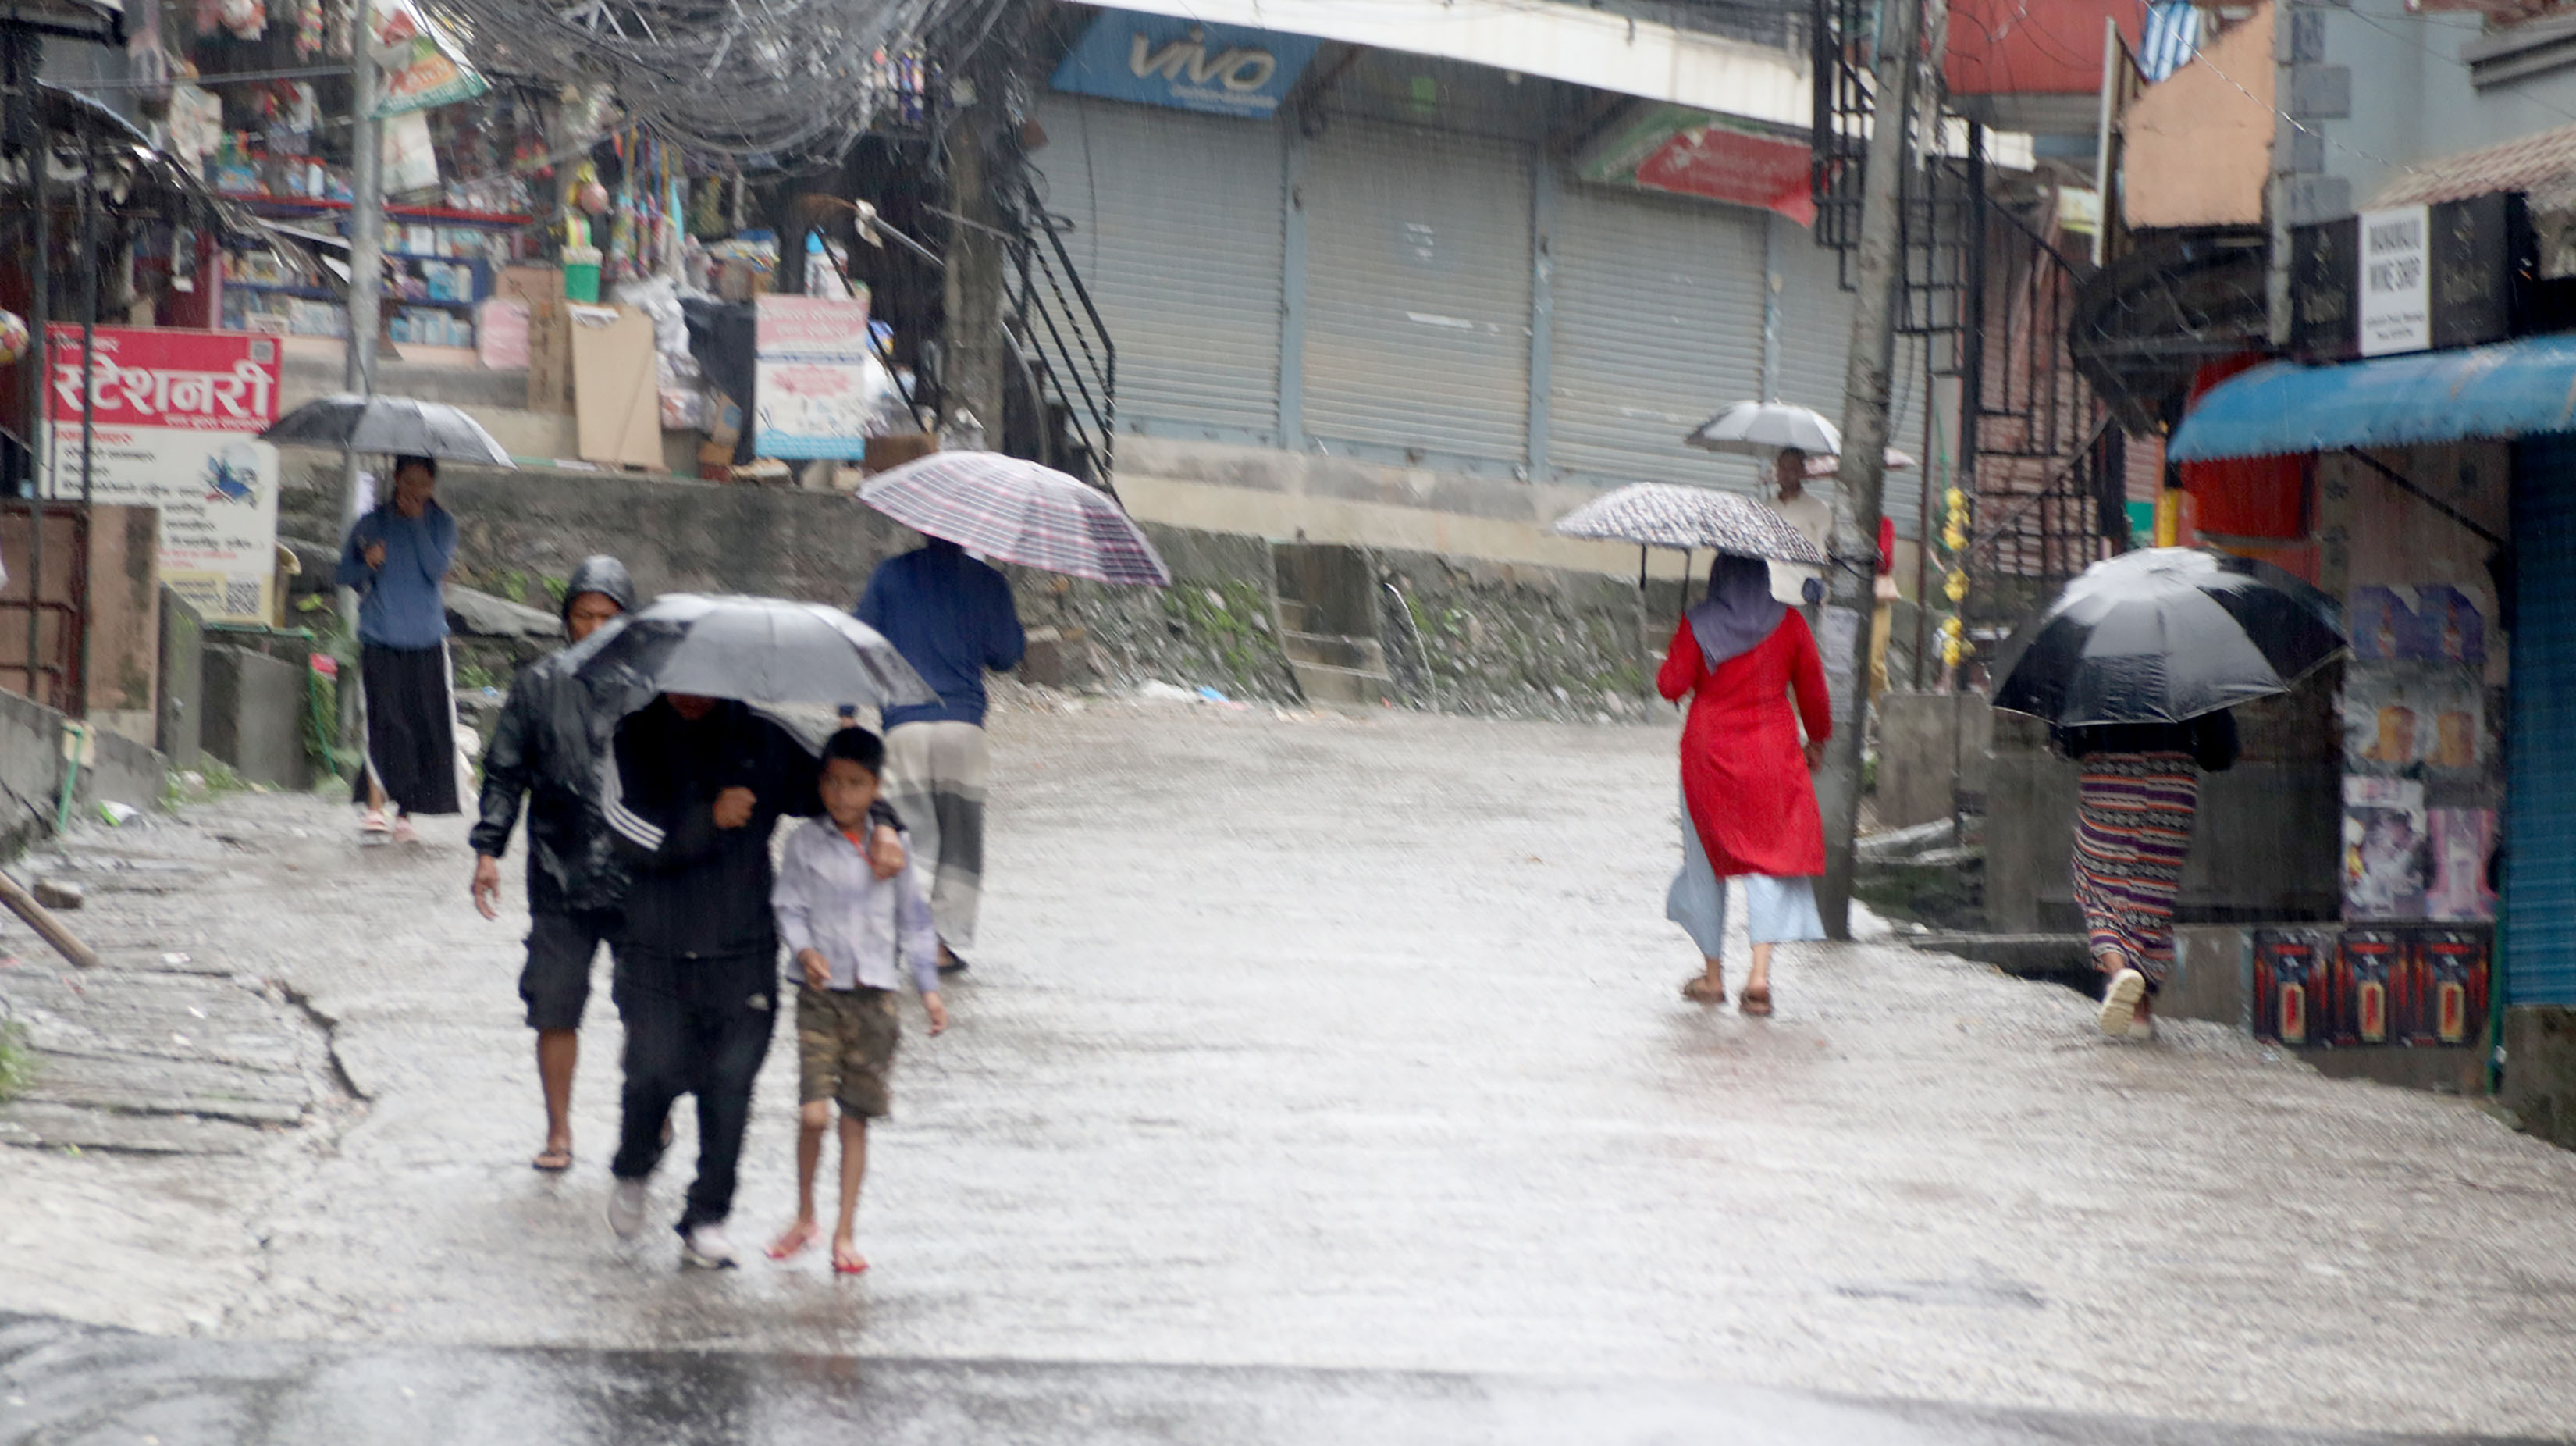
<point x="626" y="1202"/>
<point x="2120" y="1003"/>
<point x="706" y="1248"/>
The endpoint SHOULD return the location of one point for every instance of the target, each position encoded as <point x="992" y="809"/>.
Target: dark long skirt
<point x="411" y="728"/>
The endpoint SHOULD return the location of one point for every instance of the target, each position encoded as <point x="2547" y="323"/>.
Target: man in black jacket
<point x="546" y="746"/>
<point x="694" y="789"/>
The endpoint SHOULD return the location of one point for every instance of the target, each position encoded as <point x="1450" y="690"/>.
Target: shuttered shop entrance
<point x="1656" y="323"/>
<point x="2540" y="752"/>
<point x="1418" y="294"/>
<point x="1177" y="224"/>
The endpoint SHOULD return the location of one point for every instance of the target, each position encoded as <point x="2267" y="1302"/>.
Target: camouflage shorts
<point x="845" y="1040"/>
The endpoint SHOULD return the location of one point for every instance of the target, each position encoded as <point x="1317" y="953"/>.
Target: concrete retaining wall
<point x="31" y="772"/>
<point x="2540" y="1071"/>
<point x="1931" y="756"/>
<point x="1506" y="638"/>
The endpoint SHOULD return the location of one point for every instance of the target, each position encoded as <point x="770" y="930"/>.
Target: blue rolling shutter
<point x="2540" y="751"/>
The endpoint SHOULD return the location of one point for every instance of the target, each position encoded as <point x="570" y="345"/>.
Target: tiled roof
<point x="2542" y="164"/>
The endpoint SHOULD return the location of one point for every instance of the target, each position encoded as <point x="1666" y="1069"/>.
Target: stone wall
<point x="1498" y="638"/>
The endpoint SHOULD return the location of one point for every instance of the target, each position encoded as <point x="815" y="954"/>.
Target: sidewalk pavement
<point x="1334" y="1043"/>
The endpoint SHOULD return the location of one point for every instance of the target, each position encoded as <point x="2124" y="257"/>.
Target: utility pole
<point x="26" y="49"/>
<point x="1865" y="427"/>
<point x="366" y="288"/>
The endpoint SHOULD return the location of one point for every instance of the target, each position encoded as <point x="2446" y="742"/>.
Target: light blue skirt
<point x="1776" y="911"/>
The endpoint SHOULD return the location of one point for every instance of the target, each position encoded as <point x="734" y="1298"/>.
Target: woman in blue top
<point x="397" y="558"/>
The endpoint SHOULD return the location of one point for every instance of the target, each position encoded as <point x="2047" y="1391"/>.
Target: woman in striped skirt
<point x="2139" y="787"/>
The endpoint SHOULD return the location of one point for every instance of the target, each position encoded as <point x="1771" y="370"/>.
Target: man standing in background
<point x="951" y="617"/>
<point x="1795" y="583"/>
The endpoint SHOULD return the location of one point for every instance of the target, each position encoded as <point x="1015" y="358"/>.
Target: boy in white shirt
<point x="846" y="928"/>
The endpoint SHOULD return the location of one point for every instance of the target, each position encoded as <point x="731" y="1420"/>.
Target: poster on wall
<point x="2463" y="840"/>
<point x="817" y="388"/>
<point x="2398" y="717"/>
<point x="176" y="425"/>
<point x="2387" y="849"/>
<point x="2433" y="624"/>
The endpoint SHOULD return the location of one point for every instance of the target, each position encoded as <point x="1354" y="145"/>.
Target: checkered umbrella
<point x="1002" y="507"/>
<point x="1659" y="514"/>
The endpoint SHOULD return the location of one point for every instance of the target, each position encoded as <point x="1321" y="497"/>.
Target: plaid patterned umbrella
<point x="1659" y="514"/>
<point x="1003" y="507"/>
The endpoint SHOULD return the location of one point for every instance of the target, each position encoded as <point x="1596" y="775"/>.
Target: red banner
<point x="209" y="381"/>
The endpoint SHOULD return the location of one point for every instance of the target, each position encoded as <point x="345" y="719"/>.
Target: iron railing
<point x="1065" y="361"/>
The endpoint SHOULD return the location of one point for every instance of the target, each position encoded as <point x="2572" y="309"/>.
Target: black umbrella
<point x="756" y="649"/>
<point x="2166" y="634"/>
<point x="397" y="426"/>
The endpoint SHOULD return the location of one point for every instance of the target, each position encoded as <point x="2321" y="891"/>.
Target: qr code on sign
<point x="241" y="599"/>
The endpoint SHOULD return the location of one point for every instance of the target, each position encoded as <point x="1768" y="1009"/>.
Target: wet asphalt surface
<point x="69" y="1384"/>
<point x="1316" y="1079"/>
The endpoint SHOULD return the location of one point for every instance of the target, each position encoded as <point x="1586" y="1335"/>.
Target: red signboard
<point x="209" y="381"/>
<point x="1671" y="148"/>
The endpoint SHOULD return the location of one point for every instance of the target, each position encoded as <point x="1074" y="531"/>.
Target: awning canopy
<point x="2509" y="389"/>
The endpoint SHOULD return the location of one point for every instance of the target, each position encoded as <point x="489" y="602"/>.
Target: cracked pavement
<point x="1348" y="1044"/>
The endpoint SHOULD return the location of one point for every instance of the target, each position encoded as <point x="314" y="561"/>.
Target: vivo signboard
<point x="1220" y="69"/>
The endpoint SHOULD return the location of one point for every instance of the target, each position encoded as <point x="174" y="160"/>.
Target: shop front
<point x="1487" y="291"/>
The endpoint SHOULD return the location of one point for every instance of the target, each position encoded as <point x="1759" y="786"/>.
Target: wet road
<point x="1323" y="1047"/>
<point x="62" y="1385"/>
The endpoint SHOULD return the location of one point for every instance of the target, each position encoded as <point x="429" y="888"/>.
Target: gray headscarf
<point x="1739" y="611"/>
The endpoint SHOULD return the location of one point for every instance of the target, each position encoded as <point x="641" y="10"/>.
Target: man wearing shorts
<point x="546" y="747"/>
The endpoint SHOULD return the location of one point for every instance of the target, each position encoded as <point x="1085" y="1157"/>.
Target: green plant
<point x="557" y="590"/>
<point x="17" y="1062"/>
<point x="475" y="675"/>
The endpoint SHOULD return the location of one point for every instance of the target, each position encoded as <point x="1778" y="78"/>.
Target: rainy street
<point x="1318" y="1077"/>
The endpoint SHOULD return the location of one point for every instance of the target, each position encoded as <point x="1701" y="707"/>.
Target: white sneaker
<point x="2119" y="1014"/>
<point x="706" y="1248"/>
<point x="626" y="1202"/>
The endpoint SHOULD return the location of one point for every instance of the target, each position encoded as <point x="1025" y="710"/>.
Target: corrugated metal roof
<point x="2511" y="389"/>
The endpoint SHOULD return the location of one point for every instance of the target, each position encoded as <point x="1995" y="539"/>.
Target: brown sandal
<point x="1699" y="989"/>
<point x="1756" y="1003"/>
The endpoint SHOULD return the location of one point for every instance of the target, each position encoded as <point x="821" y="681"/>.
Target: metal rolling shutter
<point x="1815" y="343"/>
<point x="1655" y="323"/>
<point x="1177" y="235"/>
<point x="2540" y="757"/>
<point x="1418" y="292"/>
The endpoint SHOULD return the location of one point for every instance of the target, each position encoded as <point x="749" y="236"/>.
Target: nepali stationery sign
<point x="1685" y="152"/>
<point x="176" y="423"/>
<point x="1166" y="61"/>
<point x="814" y="382"/>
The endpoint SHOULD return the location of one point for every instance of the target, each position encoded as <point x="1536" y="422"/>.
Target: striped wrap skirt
<point x="2133" y="816"/>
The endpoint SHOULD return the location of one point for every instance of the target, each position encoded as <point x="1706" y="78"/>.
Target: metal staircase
<point x="1062" y="405"/>
<point x="2039" y="454"/>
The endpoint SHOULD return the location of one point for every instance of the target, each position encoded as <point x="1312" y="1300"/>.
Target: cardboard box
<point x="549" y="346"/>
<point x="617" y="404"/>
<point x="743" y="280"/>
<point x="893" y="451"/>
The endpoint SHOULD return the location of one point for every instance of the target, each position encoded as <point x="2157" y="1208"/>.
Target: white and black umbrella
<point x="753" y="649"/>
<point x="1018" y="511"/>
<point x="1762" y="428"/>
<point x="396" y="426"/>
<point x="1660" y="514"/>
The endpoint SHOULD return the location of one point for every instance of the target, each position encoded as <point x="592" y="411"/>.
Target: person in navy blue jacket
<point x="951" y="617"/>
<point x="397" y="558"/>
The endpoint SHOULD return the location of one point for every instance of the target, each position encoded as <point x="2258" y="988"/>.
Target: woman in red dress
<point x="1749" y="805"/>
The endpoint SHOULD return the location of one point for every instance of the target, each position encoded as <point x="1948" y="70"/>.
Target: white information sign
<point x="176" y="426"/>
<point x="2396" y="280"/>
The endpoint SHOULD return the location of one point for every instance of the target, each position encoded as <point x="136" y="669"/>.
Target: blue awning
<point x="2505" y="390"/>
